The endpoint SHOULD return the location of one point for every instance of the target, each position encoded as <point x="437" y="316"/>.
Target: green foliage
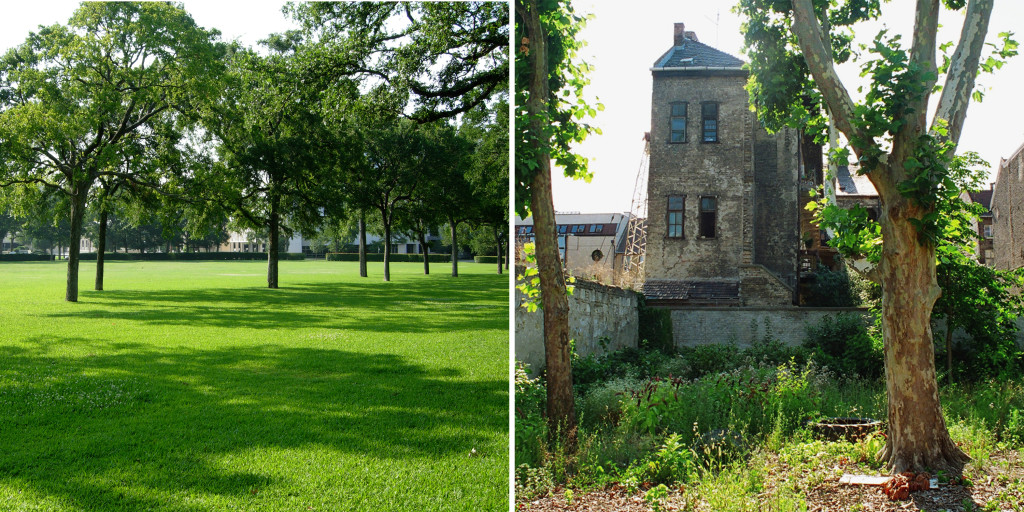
<point x="655" y="327"/>
<point x="833" y="288"/>
<point x="354" y="256"/>
<point x="191" y="256"/>
<point x="531" y="427"/>
<point x="565" y="108"/>
<point x="843" y="344"/>
<point x="529" y="281"/>
<point x="485" y="259"/>
<point x="26" y="257"/>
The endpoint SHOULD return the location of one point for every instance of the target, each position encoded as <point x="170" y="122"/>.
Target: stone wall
<point x="601" y="319"/>
<point x="701" y="326"/>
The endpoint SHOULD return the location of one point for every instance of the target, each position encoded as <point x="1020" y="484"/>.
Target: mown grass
<point x="190" y="386"/>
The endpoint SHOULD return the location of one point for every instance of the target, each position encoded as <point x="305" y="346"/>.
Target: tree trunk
<point x="554" y="300"/>
<point x="455" y="247"/>
<point x="272" y="247"/>
<point x="497" y="242"/>
<point x="78" y="196"/>
<point x="101" y="247"/>
<point x="362" y="245"/>
<point x="426" y="252"/>
<point x="918" y="439"/>
<point x="387" y="245"/>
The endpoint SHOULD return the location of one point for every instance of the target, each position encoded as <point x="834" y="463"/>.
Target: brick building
<point x="1008" y="213"/>
<point x="984" y="253"/>
<point x="590" y="244"/>
<point x="724" y="214"/>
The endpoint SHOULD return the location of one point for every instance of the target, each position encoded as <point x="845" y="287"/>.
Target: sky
<point x="247" y="21"/>
<point x="625" y="38"/>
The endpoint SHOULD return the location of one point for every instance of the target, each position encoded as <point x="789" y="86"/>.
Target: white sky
<point x="625" y="38"/>
<point x="248" y="21"/>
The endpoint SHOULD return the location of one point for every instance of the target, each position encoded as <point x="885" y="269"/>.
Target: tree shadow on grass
<point x="475" y="302"/>
<point x="133" y="427"/>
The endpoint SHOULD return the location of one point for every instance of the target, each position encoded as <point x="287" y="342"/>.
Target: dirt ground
<point x="997" y="487"/>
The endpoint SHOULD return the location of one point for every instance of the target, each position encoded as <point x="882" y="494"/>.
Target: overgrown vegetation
<point x="702" y="419"/>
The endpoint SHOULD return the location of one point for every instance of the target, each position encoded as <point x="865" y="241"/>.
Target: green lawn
<point x="190" y="386"/>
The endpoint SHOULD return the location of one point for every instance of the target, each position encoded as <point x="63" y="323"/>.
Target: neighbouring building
<point x="590" y="244"/>
<point x="1007" y="205"/>
<point x="984" y="253"/>
<point x="724" y="215"/>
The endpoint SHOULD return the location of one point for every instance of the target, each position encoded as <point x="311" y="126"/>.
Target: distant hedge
<point x="26" y="257"/>
<point x="485" y="259"/>
<point x="377" y="256"/>
<point x="191" y="256"/>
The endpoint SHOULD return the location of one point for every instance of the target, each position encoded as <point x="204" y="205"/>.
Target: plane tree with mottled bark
<point x="793" y="48"/>
<point x="72" y="94"/>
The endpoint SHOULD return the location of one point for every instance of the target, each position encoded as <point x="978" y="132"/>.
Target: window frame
<point x="672" y="117"/>
<point x="702" y="214"/>
<point x="704" y="118"/>
<point x="681" y="216"/>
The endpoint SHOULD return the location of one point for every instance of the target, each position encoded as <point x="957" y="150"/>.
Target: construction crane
<point x="636" y="230"/>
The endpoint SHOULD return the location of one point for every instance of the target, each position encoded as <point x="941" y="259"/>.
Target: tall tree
<point x="72" y="93"/>
<point x="445" y="57"/>
<point x="269" y="144"/>
<point x="488" y="174"/>
<point x="793" y="48"/>
<point x="549" y="106"/>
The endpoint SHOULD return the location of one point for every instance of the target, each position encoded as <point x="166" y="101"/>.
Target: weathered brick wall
<point x="601" y="319"/>
<point x="776" y="209"/>
<point x="694" y="169"/>
<point x="1008" y="214"/>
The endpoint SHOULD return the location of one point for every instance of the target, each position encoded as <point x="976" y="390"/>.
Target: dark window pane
<point x="707" y="203"/>
<point x="679" y="109"/>
<point x="708" y="213"/>
<point x="675" y="202"/>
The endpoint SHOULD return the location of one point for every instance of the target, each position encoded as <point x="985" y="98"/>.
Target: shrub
<point x="191" y="256"/>
<point x="833" y="288"/>
<point x="672" y="463"/>
<point x="486" y="259"/>
<point x="378" y="257"/>
<point x="710" y="359"/>
<point x="26" y="257"/>
<point x="842" y="343"/>
<point x="655" y="327"/>
<point x="602" y="405"/>
<point x="531" y="428"/>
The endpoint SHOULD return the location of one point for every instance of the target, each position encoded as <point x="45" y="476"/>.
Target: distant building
<point x="590" y="244"/>
<point x="1007" y="207"/>
<point x="985" y="251"/>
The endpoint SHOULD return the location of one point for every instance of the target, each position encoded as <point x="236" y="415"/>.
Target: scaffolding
<point x="636" y="230"/>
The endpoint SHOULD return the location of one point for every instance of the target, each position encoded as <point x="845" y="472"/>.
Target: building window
<point x="579" y="228"/>
<point x="988" y="231"/>
<point x="708" y="212"/>
<point x="709" y="121"/>
<point x="596" y="228"/>
<point x="561" y="229"/>
<point x="677" y="123"/>
<point x="674" y="217"/>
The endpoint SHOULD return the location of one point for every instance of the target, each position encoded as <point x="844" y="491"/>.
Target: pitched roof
<point x="983" y="197"/>
<point x="849" y="182"/>
<point x="696" y="55"/>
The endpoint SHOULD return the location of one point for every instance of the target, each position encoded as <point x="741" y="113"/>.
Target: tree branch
<point x="960" y="78"/>
<point x="818" y="56"/>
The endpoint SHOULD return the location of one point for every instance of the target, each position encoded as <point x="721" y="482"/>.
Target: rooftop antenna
<point x="718" y="15"/>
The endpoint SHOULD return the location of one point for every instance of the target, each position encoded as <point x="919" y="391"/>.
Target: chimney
<point x="679" y="34"/>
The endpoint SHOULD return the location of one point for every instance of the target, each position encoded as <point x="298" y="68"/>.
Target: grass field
<point x="190" y="386"/>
